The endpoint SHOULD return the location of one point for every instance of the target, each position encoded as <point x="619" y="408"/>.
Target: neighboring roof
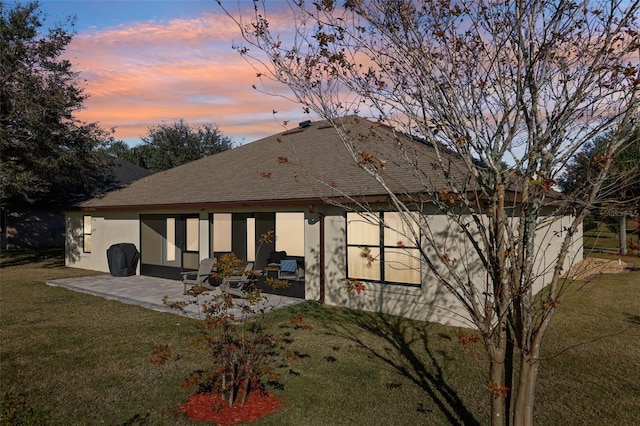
<point x="123" y="172"/>
<point x="306" y="163"/>
<point x="119" y="174"/>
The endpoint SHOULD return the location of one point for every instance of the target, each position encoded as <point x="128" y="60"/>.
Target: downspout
<point x="322" y="260"/>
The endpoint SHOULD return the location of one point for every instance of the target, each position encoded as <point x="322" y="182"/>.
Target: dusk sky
<point x="151" y="61"/>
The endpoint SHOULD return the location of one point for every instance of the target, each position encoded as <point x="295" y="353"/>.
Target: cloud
<point x="145" y="73"/>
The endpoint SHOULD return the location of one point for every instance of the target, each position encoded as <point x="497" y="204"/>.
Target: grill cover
<point x="123" y="259"/>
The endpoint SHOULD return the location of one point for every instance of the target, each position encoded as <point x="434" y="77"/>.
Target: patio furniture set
<point x="279" y="266"/>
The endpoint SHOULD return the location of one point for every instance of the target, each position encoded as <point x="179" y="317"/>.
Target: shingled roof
<point x="123" y="172"/>
<point x="306" y="163"/>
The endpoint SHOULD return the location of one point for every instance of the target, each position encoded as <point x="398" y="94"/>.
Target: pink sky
<point x="147" y="72"/>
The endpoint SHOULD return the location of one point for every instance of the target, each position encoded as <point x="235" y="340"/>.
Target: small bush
<point x="244" y="352"/>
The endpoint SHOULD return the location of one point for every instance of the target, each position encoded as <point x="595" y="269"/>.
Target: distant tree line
<point x="622" y="188"/>
<point x="47" y="155"/>
<point x="170" y="145"/>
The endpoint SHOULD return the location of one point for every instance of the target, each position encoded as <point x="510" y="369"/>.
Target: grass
<point x="601" y="237"/>
<point x="68" y="358"/>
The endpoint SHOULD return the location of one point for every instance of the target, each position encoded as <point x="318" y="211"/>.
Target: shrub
<point x="242" y="350"/>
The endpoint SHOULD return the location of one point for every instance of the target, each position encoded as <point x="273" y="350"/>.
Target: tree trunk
<point x="497" y="352"/>
<point x="623" y="233"/>
<point x="508" y="376"/>
<point x="498" y="413"/>
<point x="523" y="413"/>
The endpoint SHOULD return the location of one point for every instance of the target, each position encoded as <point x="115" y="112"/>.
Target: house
<point x="284" y="182"/>
<point x="42" y="224"/>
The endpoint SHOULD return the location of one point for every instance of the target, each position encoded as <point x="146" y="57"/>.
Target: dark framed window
<point x="381" y="248"/>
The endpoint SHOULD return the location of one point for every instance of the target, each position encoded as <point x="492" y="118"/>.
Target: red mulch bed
<point x="214" y="409"/>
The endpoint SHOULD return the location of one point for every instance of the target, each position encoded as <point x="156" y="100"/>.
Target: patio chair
<point x="238" y="281"/>
<point x="199" y="277"/>
<point x="290" y="270"/>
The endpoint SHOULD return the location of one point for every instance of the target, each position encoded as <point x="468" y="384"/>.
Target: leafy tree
<point x="621" y="190"/>
<point x="171" y="145"/>
<point x="520" y="83"/>
<point x="118" y="149"/>
<point x="46" y="154"/>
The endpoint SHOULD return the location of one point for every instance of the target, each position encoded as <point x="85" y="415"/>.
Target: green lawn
<point x="68" y="358"/>
<point x="601" y="237"/>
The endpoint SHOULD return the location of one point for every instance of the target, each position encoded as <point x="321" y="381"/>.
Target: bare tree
<point x="513" y="90"/>
<point x="622" y="184"/>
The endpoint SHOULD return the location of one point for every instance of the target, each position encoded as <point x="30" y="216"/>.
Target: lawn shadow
<point x="633" y="319"/>
<point x="52" y="257"/>
<point x="413" y="343"/>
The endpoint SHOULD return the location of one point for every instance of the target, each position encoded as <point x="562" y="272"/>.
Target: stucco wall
<point x="312" y="256"/>
<point x="107" y="229"/>
<point x="334" y="260"/>
<point x="551" y="234"/>
<point x="432" y="302"/>
<point x="429" y="302"/>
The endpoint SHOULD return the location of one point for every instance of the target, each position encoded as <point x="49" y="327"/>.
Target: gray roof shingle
<point x="300" y="164"/>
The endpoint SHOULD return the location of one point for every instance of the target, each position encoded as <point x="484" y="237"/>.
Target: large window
<point x="239" y="233"/>
<point x="381" y="247"/>
<point x="251" y="239"/>
<point x="233" y="232"/>
<point x="290" y="233"/>
<point x="193" y="234"/>
<point x="170" y="242"/>
<point x="86" y="233"/>
<point x="221" y="231"/>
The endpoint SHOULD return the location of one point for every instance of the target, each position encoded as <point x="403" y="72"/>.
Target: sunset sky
<point x="150" y="61"/>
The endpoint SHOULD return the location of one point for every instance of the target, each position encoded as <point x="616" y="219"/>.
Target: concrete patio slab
<point x="149" y="291"/>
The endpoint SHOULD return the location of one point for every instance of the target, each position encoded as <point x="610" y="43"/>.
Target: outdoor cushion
<point x="288" y="265"/>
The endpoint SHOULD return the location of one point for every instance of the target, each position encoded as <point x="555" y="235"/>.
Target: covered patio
<point x="148" y="292"/>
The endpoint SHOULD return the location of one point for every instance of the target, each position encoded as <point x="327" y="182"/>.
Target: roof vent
<point x="306" y="123"/>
